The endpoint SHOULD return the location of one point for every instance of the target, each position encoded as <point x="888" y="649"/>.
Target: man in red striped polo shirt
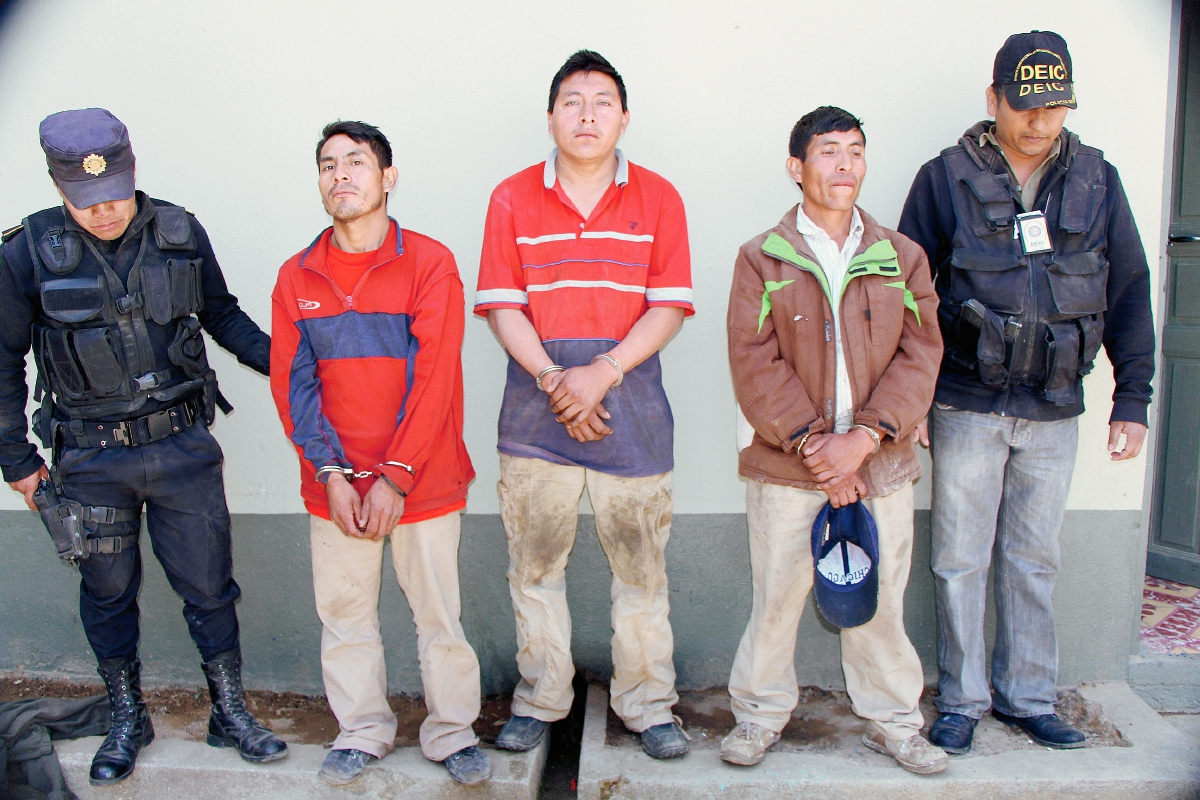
<point x="585" y="274"/>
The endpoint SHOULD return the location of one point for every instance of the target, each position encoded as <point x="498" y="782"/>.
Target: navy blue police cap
<point x="89" y="156"/>
<point x="845" y="551"/>
<point x="1034" y="70"/>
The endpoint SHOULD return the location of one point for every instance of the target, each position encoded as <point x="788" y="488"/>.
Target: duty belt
<point x="131" y="432"/>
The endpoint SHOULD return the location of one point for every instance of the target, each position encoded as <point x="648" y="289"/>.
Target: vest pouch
<point x="187" y="351"/>
<point x="1080" y="206"/>
<point x="1091" y="332"/>
<point x="1079" y="283"/>
<point x="65" y="376"/>
<point x="97" y="354"/>
<point x="990" y="351"/>
<point x="1062" y="362"/>
<point x="172" y="290"/>
<point x="962" y="339"/>
<point x="73" y="300"/>
<point x="997" y="281"/>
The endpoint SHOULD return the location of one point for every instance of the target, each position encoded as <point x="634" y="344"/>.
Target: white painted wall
<point x="225" y="101"/>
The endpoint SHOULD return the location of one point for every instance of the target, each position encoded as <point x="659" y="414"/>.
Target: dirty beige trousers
<point x="346" y="577"/>
<point x="539" y="505"/>
<point x="882" y="670"/>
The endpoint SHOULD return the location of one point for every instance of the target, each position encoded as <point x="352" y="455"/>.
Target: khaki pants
<point x="882" y="670"/>
<point x="539" y="505"/>
<point x="346" y="576"/>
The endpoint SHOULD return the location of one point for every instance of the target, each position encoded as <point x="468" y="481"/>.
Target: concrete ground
<point x="1132" y="753"/>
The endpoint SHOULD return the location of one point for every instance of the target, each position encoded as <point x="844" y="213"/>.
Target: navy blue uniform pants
<point x="179" y="481"/>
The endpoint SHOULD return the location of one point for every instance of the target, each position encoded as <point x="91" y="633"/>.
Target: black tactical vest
<point x="1025" y="320"/>
<point x="93" y="349"/>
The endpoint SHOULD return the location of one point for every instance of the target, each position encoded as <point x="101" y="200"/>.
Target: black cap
<point x="89" y="156"/>
<point x="1035" y="70"/>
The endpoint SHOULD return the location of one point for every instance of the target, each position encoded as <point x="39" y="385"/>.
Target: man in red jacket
<point x="367" y="376"/>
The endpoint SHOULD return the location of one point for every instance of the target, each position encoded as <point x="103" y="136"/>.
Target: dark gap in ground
<point x="566" y="739"/>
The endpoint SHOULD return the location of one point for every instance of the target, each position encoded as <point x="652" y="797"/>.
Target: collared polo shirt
<point x="834" y="261"/>
<point x="583" y="283"/>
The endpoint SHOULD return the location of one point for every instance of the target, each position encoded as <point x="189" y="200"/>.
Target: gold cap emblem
<point x="94" y="164"/>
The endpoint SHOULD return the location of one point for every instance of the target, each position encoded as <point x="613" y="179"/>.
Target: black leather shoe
<point x="953" y="733"/>
<point x="521" y="733"/>
<point x="664" y="741"/>
<point x="1047" y="730"/>
<point x="469" y="766"/>
<point x="231" y="724"/>
<point x="342" y="766"/>
<point x="131" y="729"/>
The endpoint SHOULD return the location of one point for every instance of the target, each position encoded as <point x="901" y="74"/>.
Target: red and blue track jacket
<point x="373" y="380"/>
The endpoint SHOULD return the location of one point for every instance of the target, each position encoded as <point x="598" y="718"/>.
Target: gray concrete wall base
<point x="708" y="566"/>
<point x="173" y="769"/>
<point x="1167" y="683"/>
<point x="1162" y="763"/>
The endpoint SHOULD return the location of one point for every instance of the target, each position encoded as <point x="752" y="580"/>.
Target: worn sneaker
<point x="747" y="744"/>
<point x="469" y="766"/>
<point x="343" y="766"/>
<point x="1047" y="730"/>
<point x="665" y="741"/>
<point x="915" y="753"/>
<point x="521" y="733"/>
<point x="953" y="733"/>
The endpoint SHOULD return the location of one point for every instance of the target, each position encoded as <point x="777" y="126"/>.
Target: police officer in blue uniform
<point x="112" y="290"/>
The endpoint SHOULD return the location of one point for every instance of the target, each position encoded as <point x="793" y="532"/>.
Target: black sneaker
<point x="953" y="733"/>
<point x="521" y="733"/>
<point x="469" y="766"/>
<point x="1047" y="730"/>
<point x="664" y="741"/>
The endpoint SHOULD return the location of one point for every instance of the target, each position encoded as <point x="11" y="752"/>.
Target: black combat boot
<point x="231" y="724"/>
<point x="131" y="729"/>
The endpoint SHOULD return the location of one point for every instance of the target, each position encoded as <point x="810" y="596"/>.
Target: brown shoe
<point x="747" y="744"/>
<point x="915" y="753"/>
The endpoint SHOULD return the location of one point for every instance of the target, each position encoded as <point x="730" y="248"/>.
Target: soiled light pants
<point x="346" y="576"/>
<point x="882" y="670"/>
<point x="539" y="505"/>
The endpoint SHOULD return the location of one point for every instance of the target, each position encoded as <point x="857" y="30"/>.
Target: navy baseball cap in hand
<point x="845" y="551"/>
<point x="89" y="156"/>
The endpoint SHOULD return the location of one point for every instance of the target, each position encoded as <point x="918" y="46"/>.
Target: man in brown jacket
<point x="834" y="348"/>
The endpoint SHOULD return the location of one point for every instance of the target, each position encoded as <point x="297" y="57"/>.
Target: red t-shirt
<point x="347" y="269"/>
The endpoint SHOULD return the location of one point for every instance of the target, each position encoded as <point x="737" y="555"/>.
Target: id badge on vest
<point x="1032" y="230"/>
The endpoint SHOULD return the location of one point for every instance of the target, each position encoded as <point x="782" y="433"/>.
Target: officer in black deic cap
<point x="1037" y="263"/>
<point x="112" y="291"/>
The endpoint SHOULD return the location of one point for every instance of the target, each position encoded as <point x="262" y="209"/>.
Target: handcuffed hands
<point x="371" y="517"/>
<point x="576" y="395"/>
<point x="832" y="457"/>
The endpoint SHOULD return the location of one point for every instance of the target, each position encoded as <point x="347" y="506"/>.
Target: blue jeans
<point x="999" y="491"/>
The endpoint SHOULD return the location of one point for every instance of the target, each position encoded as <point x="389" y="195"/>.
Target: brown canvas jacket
<point x="782" y="351"/>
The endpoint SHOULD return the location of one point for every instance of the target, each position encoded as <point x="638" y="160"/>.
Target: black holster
<point x="63" y="519"/>
<point x="68" y="523"/>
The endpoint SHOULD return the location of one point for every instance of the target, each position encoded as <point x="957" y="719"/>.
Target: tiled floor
<point x="1170" y="617"/>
